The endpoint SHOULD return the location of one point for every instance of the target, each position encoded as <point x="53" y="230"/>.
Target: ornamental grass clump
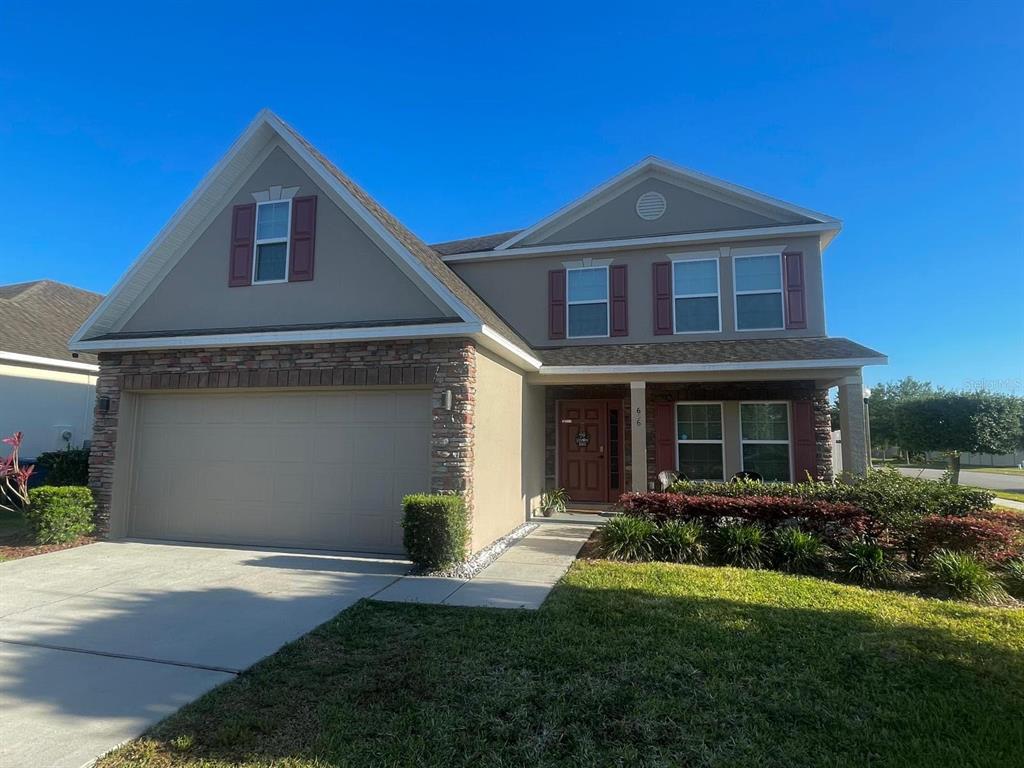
<point x="677" y="542"/>
<point x="628" y="538"/>
<point x="741" y="544"/>
<point x="869" y="564"/>
<point x="798" y="551"/>
<point x="966" y="577"/>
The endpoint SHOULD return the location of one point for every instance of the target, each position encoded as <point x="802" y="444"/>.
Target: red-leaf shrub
<point x="993" y="535"/>
<point x="830" y="519"/>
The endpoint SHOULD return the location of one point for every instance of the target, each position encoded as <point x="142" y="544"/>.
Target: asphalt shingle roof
<point x="710" y="352"/>
<point x="39" y="318"/>
<point x="471" y="244"/>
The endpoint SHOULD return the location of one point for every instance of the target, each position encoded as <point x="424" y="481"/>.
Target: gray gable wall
<point x="354" y="280"/>
<point x="687" y="211"/>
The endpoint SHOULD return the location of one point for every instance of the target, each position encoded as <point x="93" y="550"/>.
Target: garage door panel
<point x="305" y="469"/>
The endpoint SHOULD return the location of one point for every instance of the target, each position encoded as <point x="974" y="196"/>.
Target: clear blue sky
<point x="906" y="120"/>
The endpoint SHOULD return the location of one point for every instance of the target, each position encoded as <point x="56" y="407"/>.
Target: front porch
<point x="598" y="434"/>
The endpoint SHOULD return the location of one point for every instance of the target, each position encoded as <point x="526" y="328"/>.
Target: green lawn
<point x="632" y="665"/>
<point x="1003" y="494"/>
<point x="997" y="470"/>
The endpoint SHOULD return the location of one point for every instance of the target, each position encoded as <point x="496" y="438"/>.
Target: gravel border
<point x="484" y="557"/>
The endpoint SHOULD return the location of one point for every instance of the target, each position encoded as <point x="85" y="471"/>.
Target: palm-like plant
<point x="14" y="477"/>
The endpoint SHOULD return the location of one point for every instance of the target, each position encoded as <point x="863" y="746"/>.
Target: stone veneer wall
<point x="442" y="363"/>
<point x="766" y="390"/>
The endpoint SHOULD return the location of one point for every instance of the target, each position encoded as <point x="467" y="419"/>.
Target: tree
<point x="965" y="422"/>
<point x="882" y="405"/>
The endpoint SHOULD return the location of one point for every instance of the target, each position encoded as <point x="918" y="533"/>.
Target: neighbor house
<point x="286" y="360"/>
<point x="46" y="391"/>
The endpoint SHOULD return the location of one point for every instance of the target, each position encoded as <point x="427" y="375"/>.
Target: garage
<point x="322" y="469"/>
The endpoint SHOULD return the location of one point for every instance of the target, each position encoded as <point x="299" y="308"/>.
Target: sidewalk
<point x="521" y="577"/>
<point x="1018" y="505"/>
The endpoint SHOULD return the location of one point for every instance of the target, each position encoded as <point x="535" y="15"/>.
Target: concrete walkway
<point x="1018" y="505"/>
<point x="521" y="577"/>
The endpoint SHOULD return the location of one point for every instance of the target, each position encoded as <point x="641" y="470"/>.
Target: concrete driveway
<point x="99" y="642"/>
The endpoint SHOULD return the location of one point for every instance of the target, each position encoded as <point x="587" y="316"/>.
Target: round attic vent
<point x="650" y="206"/>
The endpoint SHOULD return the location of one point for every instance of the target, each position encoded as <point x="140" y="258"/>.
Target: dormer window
<point x="270" y="260"/>
<point x="587" y="302"/>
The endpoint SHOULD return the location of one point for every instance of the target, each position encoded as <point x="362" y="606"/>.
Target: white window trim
<point x="287" y="240"/>
<point x="717" y="294"/>
<point x="736" y="293"/>
<point x="721" y="417"/>
<point x="606" y="302"/>
<point x="789" y="431"/>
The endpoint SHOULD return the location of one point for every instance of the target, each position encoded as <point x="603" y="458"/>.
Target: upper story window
<point x="759" y="292"/>
<point x="587" y="302"/>
<point x="273" y="222"/>
<point x="695" y="295"/>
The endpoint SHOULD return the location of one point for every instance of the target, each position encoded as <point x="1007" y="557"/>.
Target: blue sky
<point x="903" y="119"/>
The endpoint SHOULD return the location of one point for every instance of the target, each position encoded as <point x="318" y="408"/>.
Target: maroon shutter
<point x="663" y="298"/>
<point x="303" y="243"/>
<point x="804" y="447"/>
<point x="619" y="304"/>
<point x="664" y="436"/>
<point x="796" y="303"/>
<point x="243" y="230"/>
<point x="556" y="304"/>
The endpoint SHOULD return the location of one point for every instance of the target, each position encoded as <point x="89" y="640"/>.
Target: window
<point x="759" y="293"/>
<point x="273" y="221"/>
<point x="695" y="295"/>
<point x="699" y="441"/>
<point x="587" y="302"/>
<point x="764" y="433"/>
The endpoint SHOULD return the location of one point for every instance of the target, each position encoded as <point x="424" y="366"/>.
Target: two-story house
<point x="286" y="359"/>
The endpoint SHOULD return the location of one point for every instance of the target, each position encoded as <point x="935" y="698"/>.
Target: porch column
<point x="638" y="434"/>
<point x="853" y="425"/>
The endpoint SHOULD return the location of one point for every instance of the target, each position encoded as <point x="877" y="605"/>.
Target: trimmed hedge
<point x="69" y="467"/>
<point x="436" y="529"/>
<point x="830" y="521"/>
<point x="895" y="501"/>
<point x="59" y="514"/>
<point x="990" y="536"/>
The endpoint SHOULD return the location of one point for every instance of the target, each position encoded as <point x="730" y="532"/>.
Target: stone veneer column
<point x="442" y="364"/>
<point x="822" y="437"/>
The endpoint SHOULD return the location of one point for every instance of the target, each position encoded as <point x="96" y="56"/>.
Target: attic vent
<point x="650" y="206"/>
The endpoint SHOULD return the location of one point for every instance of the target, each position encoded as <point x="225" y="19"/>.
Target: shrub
<point x="435" y="529"/>
<point x="831" y="521"/>
<point x="798" y="551"/>
<point x="59" y="514"/>
<point x="70" y="467"/>
<point x="741" y="544"/>
<point x="1014" y="570"/>
<point x="991" y="536"/>
<point x="628" y="538"/>
<point x="965" y="576"/>
<point x="869" y="564"/>
<point x="679" y="542"/>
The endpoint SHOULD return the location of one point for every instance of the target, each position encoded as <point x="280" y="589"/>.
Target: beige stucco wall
<point x="517" y="288"/>
<point x="354" y="280"/>
<point x="498" y="456"/>
<point x="686" y="211"/>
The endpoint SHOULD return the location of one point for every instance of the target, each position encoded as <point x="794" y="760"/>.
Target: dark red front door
<point x="583" y="449"/>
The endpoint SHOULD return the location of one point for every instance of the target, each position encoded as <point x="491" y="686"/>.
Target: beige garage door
<point x="324" y="470"/>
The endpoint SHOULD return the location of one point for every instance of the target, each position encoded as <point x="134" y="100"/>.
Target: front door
<point x="583" y="449"/>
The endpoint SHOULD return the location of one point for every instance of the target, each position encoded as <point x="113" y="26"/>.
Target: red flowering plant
<point x="14" y="477"/>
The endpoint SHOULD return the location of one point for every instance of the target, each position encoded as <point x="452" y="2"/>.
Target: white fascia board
<point x="765" y="365"/>
<point x="260" y="338"/>
<point x="16" y="357"/>
<point x="644" y="242"/>
<point x="512" y="352"/>
<point x="655" y="164"/>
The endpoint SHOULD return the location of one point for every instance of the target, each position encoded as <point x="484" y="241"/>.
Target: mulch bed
<point x="17" y="547"/>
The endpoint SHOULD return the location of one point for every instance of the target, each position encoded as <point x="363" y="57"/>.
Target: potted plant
<point x="553" y="501"/>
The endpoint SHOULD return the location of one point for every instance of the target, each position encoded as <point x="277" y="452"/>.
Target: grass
<point x="1013" y="495"/>
<point x="1013" y="471"/>
<point x="650" y="664"/>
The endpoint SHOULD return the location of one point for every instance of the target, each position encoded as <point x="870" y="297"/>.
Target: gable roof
<point x="39" y="318"/>
<point x="408" y="251"/>
<point x="684" y="177"/>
